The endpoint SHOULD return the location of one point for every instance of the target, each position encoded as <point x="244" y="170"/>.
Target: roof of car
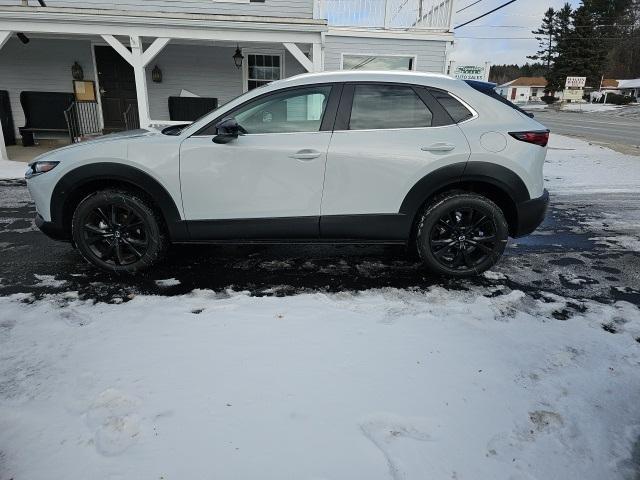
<point x="434" y="79"/>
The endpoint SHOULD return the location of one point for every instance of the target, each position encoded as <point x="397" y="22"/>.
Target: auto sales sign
<point x="470" y="72"/>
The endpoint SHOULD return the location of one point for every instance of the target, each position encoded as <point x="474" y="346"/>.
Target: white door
<point x="388" y="145"/>
<point x="276" y="170"/>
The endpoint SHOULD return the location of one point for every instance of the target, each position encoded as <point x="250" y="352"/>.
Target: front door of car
<point x="266" y="183"/>
<point x="387" y="138"/>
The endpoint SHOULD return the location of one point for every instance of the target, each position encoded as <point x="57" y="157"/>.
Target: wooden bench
<point x="190" y="108"/>
<point x="44" y="113"/>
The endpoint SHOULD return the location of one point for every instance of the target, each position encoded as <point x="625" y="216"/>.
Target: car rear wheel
<point x="119" y="231"/>
<point x="461" y="234"/>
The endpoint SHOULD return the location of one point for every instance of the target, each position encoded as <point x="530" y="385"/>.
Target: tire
<point x="119" y="231"/>
<point x="461" y="234"/>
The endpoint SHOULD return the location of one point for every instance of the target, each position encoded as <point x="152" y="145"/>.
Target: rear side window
<point x="457" y="111"/>
<point x="388" y="106"/>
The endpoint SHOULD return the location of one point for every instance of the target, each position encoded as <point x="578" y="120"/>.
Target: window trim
<point x="474" y="112"/>
<point x="414" y="64"/>
<point x="257" y="51"/>
<point x="328" y="117"/>
<point x="440" y="117"/>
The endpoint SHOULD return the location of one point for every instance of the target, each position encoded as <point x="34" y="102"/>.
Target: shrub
<point x="616" y="99"/>
<point x="548" y="99"/>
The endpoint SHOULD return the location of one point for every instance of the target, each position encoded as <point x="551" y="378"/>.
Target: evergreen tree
<point x="585" y="53"/>
<point x="560" y="69"/>
<point x="545" y="37"/>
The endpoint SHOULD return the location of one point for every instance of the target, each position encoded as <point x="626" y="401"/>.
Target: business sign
<point x="574" y="95"/>
<point x="575" y="82"/>
<point x="470" y="72"/>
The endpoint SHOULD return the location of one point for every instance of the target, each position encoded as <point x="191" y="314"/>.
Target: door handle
<point x="439" y="147"/>
<point x="306" y="154"/>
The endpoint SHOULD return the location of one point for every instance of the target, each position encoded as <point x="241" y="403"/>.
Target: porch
<point x="149" y="77"/>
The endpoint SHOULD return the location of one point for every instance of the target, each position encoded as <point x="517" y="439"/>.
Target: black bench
<point x="44" y="112"/>
<point x="190" y="108"/>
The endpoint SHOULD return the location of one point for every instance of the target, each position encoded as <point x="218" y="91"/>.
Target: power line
<point x="468" y="6"/>
<point x="485" y="14"/>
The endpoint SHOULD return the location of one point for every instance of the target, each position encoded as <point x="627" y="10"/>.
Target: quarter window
<point x="455" y="109"/>
<point x="262" y="69"/>
<point x="298" y="110"/>
<point x="388" y="106"/>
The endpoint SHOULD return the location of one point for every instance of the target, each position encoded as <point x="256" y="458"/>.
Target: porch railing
<point x="83" y="120"/>
<point x="389" y="14"/>
<point x="131" y="119"/>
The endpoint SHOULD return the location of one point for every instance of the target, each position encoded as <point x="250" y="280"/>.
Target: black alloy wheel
<point x="464" y="238"/>
<point x="115" y="234"/>
<point x="461" y="234"/>
<point x="118" y="231"/>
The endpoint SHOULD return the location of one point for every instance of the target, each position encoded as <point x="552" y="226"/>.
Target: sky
<point x="524" y="14"/>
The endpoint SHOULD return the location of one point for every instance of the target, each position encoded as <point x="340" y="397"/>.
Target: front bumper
<point x="51" y="229"/>
<point x="531" y="214"/>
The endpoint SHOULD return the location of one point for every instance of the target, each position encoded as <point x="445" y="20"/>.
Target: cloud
<point x="524" y="13"/>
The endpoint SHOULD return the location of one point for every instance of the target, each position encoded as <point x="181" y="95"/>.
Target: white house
<point x="523" y="89"/>
<point x="140" y="60"/>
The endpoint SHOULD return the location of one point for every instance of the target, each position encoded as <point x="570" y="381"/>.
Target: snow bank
<point x="10" y="169"/>
<point x="589" y="107"/>
<point x="575" y="166"/>
<point x="478" y="384"/>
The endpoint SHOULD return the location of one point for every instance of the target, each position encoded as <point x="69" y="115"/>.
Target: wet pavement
<point x="588" y="247"/>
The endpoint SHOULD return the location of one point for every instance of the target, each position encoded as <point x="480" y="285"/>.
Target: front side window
<point x="298" y="110"/>
<point x="262" y="69"/>
<point x="388" y="106"/>
<point x="376" y="62"/>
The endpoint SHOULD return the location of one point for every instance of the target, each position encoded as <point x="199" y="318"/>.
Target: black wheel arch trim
<point x="116" y="172"/>
<point x="455" y="175"/>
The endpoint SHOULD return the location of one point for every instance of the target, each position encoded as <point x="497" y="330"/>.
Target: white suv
<point x="337" y="157"/>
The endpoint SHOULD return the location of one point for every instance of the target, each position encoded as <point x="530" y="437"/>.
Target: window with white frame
<point x="377" y="62"/>
<point x="263" y="69"/>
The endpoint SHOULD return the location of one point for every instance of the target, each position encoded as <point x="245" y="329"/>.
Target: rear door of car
<point x="386" y="138"/>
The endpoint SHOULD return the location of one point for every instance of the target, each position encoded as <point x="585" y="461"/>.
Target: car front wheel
<point x="461" y="234"/>
<point x="118" y="231"/>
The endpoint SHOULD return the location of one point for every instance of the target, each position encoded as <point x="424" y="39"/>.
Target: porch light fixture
<point x="76" y="71"/>
<point x="156" y="74"/>
<point x="238" y="57"/>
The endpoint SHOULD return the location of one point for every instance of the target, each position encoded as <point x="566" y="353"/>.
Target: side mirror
<point x="227" y="130"/>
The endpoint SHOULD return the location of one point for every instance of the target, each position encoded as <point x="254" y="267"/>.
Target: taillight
<point x="538" y="138"/>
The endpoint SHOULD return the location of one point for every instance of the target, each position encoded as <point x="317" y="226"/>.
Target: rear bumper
<point x="531" y="214"/>
<point x="50" y="229"/>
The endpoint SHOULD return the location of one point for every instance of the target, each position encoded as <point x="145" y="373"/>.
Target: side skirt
<point x="377" y="228"/>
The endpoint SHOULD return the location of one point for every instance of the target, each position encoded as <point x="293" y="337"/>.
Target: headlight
<point x="37" y="168"/>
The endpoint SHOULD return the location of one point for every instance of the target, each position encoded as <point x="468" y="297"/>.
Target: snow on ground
<point x="574" y="166"/>
<point x="534" y="106"/>
<point x="10" y="169"/>
<point x="386" y="384"/>
<point x="589" y="107"/>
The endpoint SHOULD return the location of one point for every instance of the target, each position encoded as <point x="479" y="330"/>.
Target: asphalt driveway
<point x="575" y="253"/>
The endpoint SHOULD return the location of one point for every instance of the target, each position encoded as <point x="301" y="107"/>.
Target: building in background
<point x="523" y="89"/>
<point x="155" y="63"/>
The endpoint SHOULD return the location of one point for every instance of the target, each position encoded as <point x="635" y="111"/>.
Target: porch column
<point x="141" y="82"/>
<point x="139" y="59"/>
<point x="4" y="36"/>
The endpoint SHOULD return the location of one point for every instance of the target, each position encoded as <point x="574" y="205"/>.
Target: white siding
<point x="45" y="65"/>
<point x="41" y="65"/>
<point x="204" y="70"/>
<point x="271" y="8"/>
<point x="431" y="54"/>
